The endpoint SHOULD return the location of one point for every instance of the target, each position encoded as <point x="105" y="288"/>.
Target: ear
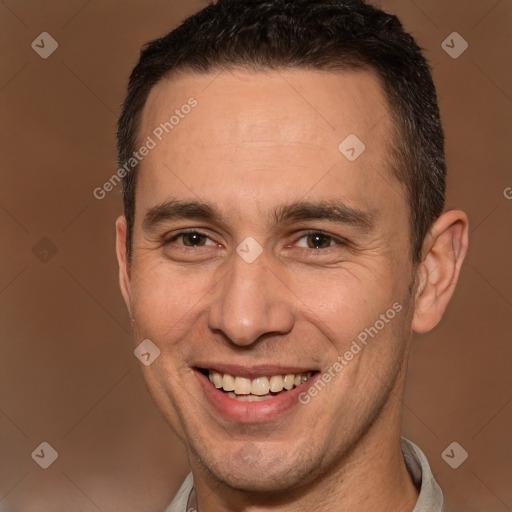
<point x="122" y="259"/>
<point x="444" y="250"/>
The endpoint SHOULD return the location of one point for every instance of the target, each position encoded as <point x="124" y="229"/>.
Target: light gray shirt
<point x="430" y="498"/>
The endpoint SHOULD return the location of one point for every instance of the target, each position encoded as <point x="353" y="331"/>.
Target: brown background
<point x="67" y="372"/>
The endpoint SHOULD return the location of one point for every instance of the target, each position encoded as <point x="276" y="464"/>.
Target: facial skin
<point x="256" y="143"/>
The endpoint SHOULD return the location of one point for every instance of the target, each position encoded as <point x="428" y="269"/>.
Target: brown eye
<point x="316" y="240"/>
<point x="319" y="241"/>
<point x="189" y="239"/>
<point x="193" y="239"/>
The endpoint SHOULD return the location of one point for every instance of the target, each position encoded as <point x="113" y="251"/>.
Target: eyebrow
<point x="335" y="211"/>
<point x="175" y="209"/>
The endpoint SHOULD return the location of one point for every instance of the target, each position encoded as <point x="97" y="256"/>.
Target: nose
<point x="251" y="301"/>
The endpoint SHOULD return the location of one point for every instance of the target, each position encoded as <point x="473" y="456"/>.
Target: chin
<point x="260" y="480"/>
<point x="248" y="467"/>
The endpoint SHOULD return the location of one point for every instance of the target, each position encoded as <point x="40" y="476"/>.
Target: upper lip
<point x="252" y="371"/>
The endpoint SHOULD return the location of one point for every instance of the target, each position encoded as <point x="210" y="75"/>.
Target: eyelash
<point x="337" y="240"/>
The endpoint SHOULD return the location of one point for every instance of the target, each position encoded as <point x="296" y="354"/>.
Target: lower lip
<point x="252" y="412"/>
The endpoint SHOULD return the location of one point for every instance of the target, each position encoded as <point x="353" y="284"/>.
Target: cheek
<point x="165" y="301"/>
<point x="343" y="302"/>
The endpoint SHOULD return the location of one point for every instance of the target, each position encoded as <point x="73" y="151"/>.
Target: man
<point x="283" y="235"/>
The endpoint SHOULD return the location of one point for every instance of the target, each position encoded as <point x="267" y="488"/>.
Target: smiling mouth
<point x="253" y="390"/>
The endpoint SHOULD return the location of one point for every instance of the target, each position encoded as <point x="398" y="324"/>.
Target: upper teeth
<point x="259" y="386"/>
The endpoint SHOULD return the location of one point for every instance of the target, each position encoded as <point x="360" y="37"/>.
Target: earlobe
<point x="445" y="248"/>
<point x="122" y="259"/>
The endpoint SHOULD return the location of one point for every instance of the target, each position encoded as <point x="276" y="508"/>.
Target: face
<point x="260" y="251"/>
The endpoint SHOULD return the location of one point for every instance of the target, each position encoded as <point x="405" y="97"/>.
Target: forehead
<point x="277" y="132"/>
